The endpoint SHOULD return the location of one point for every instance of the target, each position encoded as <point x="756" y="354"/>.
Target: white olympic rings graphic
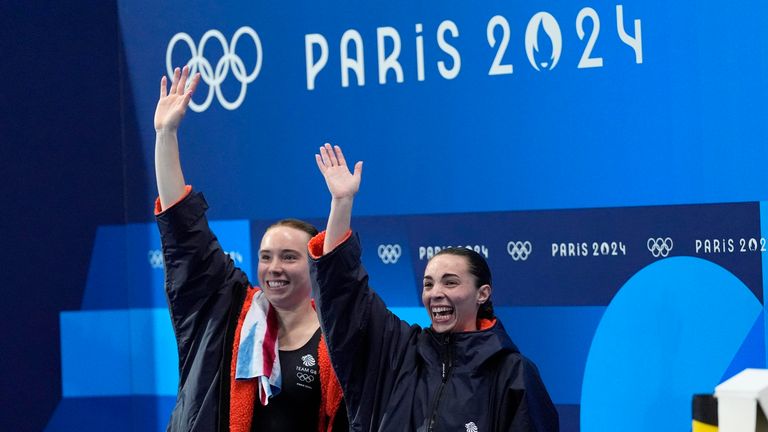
<point x="155" y="257"/>
<point x="307" y="378"/>
<point x="519" y="250"/>
<point x="660" y="247"/>
<point x="389" y="254"/>
<point x="214" y="77"/>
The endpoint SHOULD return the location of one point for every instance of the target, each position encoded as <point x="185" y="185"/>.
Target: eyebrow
<point x="280" y="251"/>
<point x="446" y="275"/>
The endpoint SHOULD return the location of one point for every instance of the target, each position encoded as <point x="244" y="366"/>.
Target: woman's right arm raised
<point x="343" y="186"/>
<point x="171" y="108"/>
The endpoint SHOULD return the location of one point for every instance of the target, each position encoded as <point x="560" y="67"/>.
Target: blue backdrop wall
<point x="62" y="165"/>
<point x="607" y="159"/>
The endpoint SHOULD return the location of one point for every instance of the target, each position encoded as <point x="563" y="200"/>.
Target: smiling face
<point x="451" y="294"/>
<point x="283" y="267"/>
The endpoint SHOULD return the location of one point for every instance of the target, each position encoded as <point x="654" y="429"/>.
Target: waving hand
<point x="171" y="108"/>
<point x="173" y="103"/>
<point x="343" y="185"/>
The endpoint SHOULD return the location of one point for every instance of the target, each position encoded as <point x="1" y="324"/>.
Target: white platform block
<point x="742" y="402"/>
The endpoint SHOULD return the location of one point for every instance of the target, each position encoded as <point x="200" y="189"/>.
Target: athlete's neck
<point x="297" y="325"/>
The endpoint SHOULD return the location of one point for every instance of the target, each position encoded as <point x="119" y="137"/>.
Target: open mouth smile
<point x="441" y="314"/>
<point x="277" y="283"/>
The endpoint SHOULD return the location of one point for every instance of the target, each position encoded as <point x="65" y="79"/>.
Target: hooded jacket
<point x="208" y="298"/>
<point x="399" y="378"/>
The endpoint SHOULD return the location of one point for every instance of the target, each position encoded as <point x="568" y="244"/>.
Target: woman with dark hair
<point x="250" y="358"/>
<point x="463" y="373"/>
<point x="477" y="267"/>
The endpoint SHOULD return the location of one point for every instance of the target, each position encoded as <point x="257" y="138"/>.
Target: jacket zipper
<point x="447" y="365"/>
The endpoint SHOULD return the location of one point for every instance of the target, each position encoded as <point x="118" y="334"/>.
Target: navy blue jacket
<point x="399" y="378"/>
<point x="206" y="293"/>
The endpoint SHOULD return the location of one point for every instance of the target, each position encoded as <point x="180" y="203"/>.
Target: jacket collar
<point x="469" y="350"/>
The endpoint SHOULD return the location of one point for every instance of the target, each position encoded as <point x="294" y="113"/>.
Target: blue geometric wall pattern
<point x="670" y="332"/>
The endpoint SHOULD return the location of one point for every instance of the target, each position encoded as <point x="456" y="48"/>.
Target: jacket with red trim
<point x="207" y="297"/>
<point x="399" y="378"/>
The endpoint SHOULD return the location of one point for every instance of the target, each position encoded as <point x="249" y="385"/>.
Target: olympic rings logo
<point x="214" y="77"/>
<point x="304" y="377"/>
<point x="519" y="251"/>
<point x="389" y="254"/>
<point x="155" y="257"/>
<point x="660" y="247"/>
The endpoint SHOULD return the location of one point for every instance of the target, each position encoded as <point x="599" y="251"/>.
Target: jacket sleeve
<point x="200" y="282"/>
<point x="525" y="403"/>
<point x="366" y="341"/>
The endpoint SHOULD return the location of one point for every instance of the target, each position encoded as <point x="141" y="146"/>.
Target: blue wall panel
<point x="537" y="168"/>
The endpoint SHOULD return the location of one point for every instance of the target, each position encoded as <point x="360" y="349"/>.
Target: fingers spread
<point x="175" y="81"/>
<point x="320" y="164"/>
<point x="163" y="87"/>
<point x="325" y="157"/>
<point x="193" y="83"/>
<point x="183" y="80"/>
<point x="339" y="156"/>
<point x="331" y="155"/>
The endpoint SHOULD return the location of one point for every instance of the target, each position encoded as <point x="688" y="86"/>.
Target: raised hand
<point x="168" y="114"/>
<point x="340" y="181"/>
<point x="343" y="186"/>
<point x="173" y="103"/>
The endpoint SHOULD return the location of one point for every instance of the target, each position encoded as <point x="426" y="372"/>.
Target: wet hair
<point x="478" y="267"/>
<point x="295" y="224"/>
